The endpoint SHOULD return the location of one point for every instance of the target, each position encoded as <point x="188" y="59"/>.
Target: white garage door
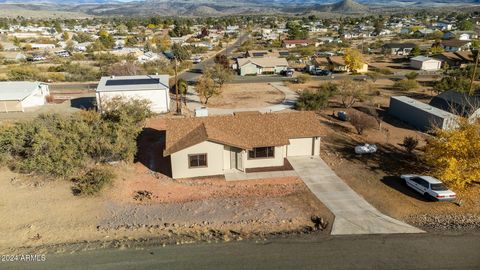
<point x="300" y="147"/>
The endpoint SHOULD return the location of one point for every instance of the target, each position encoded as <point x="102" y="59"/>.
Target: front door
<point x="236" y="159"/>
<point x="239" y="160"/>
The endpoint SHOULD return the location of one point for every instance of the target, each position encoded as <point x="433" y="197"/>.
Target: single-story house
<point x="455" y="45"/>
<point x="154" y="88"/>
<point x="337" y="64"/>
<point x="425" y="63"/>
<point x="422" y="116"/>
<point x="398" y="48"/>
<point x="257" y="66"/>
<point x="423" y="32"/>
<point x="38" y="46"/>
<point x="13" y="56"/>
<point x="460" y="35"/>
<point x="458" y="103"/>
<point x="18" y="95"/>
<point x="293" y="43"/>
<point x="214" y="145"/>
<point x="455" y="59"/>
<point x="267" y="53"/>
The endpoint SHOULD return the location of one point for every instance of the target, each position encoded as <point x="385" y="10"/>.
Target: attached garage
<point x="303" y="147"/>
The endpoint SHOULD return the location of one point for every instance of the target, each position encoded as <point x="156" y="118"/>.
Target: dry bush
<point x="361" y="122"/>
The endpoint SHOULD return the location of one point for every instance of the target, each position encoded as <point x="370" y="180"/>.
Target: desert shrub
<point x="406" y="85"/>
<point x="302" y="78"/>
<point x="93" y="181"/>
<point x="411" y="75"/>
<point x="63" y="146"/>
<point x="361" y="121"/>
<point x="56" y="76"/>
<point x="24" y="73"/>
<point x="410" y="143"/>
<point x="315" y="100"/>
<point x="385" y="71"/>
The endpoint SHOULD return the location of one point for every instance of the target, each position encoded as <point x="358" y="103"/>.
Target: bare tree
<point x="352" y="92"/>
<point x="374" y="113"/>
<point x="361" y="122"/>
<point x="125" y="69"/>
<point x="410" y="144"/>
<point x="207" y="88"/>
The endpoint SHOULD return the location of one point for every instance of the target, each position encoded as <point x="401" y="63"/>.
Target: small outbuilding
<point x="154" y="88"/>
<point x="425" y="63"/>
<point x="16" y="96"/>
<point x="420" y="115"/>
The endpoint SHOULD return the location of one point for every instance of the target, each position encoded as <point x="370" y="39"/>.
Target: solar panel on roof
<point x="132" y="82"/>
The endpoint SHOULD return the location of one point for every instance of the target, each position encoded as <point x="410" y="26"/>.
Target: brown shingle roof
<point x="245" y="130"/>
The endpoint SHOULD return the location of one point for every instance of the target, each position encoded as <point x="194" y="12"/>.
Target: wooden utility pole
<point x="471" y="92"/>
<point x="179" y="110"/>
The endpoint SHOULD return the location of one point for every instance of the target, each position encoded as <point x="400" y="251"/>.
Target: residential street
<point x="189" y="76"/>
<point x="417" y="251"/>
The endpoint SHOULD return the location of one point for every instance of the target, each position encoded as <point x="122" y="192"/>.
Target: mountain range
<point x="223" y="7"/>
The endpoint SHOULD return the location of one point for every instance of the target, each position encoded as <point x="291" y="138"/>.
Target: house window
<point x="197" y="160"/>
<point x="262" y="152"/>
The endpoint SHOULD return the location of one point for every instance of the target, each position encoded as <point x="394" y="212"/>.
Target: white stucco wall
<point x="215" y="162"/>
<point x="160" y="99"/>
<point x="37" y="98"/>
<point x="432" y="65"/>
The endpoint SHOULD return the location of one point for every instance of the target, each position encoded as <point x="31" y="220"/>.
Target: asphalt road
<point x="424" y="251"/>
<point x="190" y="76"/>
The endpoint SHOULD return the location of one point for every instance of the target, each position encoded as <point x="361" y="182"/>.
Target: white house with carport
<point x="154" y="88"/>
<point x="243" y="142"/>
<point x="16" y="96"/>
<point x="425" y="63"/>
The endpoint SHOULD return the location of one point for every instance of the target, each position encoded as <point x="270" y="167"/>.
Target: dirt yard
<point x="376" y="176"/>
<point x="145" y="204"/>
<point x="252" y="95"/>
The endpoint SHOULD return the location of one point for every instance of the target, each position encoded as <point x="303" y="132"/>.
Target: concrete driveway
<point x="353" y="214"/>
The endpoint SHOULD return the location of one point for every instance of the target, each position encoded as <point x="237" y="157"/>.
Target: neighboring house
<point x="214" y="145"/>
<point x="398" y="48"/>
<point x="420" y="115"/>
<point x="337" y="64"/>
<point x="154" y="88"/>
<point x="458" y="103"/>
<point x="36" y="46"/>
<point x="442" y="26"/>
<point x="267" y="53"/>
<point x="455" y="59"/>
<point x="19" y="95"/>
<point x="425" y="63"/>
<point x="257" y="66"/>
<point x="151" y="56"/>
<point x="455" y="45"/>
<point x="293" y="43"/>
<point x="423" y="32"/>
<point x="460" y="35"/>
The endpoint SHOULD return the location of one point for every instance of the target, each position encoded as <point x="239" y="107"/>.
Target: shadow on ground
<point x="85" y="103"/>
<point x="151" y="144"/>
<point x="398" y="184"/>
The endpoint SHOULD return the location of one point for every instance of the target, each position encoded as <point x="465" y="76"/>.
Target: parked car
<point x="288" y="72"/>
<point x="430" y="187"/>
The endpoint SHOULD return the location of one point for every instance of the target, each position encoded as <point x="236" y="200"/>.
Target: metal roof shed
<point x="420" y="115"/>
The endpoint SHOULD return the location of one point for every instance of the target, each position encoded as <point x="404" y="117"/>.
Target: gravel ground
<point x="448" y="222"/>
